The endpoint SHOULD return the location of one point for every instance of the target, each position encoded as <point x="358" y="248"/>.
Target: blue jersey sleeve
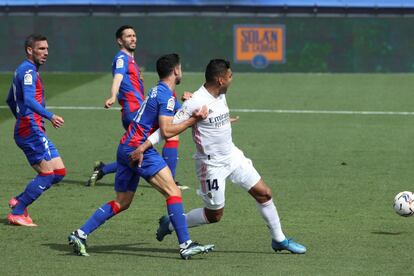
<point x="166" y="104"/>
<point x="29" y="93"/>
<point x="120" y="65"/>
<point x="11" y="102"/>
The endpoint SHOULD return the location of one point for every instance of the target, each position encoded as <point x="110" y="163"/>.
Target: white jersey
<point x="212" y="135"/>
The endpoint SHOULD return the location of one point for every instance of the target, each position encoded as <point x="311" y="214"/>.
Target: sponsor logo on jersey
<point x="259" y="45"/>
<point x="220" y="120"/>
<point x="119" y="63"/>
<point x="28" y="79"/>
<point x="171" y="104"/>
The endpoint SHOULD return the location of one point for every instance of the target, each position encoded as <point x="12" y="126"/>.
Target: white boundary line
<point x="283" y="111"/>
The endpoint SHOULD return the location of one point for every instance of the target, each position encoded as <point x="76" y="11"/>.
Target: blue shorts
<point x="37" y="147"/>
<point x="127" y="177"/>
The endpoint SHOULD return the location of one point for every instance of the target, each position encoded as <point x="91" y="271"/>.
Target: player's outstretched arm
<point x="116" y="83"/>
<point x="169" y="127"/>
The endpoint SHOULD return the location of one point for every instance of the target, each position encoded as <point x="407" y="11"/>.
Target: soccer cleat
<point x="20" y="220"/>
<point x="78" y="244"/>
<point x="289" y="245"/>
<point x="97" y="173"/>
<point x="195" y="248"/>
<point x="163" y="229"/>
<point x="13" y="202"/>
<point x="181" y="186"/>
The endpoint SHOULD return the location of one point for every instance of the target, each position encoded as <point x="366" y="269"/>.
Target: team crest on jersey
<point x="119" y="63"/>
<point x="171" y="104"/>
<point x="28" y="79"/>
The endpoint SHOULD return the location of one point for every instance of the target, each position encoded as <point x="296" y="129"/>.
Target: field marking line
<point x="244" y="110"/>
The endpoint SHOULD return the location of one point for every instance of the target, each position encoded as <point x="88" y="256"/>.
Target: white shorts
<point x="238" y="169"/>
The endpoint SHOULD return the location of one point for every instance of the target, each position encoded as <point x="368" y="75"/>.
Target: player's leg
<point x="101" y="169"/>
<point x="212" y="192"/>
<point x="246" y="176"/>
<point x="56" y="163"/>
<point x="164" y="183"/>
<point x="37" y="151"/>
<point x="122" y="202"/>
<point x="126" y="183"/>
<point x="170" y="155"/>
<point x="263" y="196"/>
<point x="33" y="190"/>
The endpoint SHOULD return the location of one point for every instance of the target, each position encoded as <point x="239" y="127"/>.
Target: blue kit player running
<point x="157" y="111"/>
<point x="27" y="102"/>
<point x="128" y="87"/>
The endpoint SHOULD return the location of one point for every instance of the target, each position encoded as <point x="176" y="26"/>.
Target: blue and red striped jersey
<point x="26" y="100"/>
<point x="131" y="91"/>
<point x="161" y="101"/>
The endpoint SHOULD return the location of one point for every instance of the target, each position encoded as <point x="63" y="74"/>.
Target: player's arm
<point x="29" y="92"/>
<point x="11" y="102"/>
<point x="181" y="116"/>
<point x="116" y="83"/>
<point x="169" y="129"/>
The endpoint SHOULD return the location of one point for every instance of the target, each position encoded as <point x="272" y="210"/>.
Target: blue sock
<point x="109" y="168"/>
<point x="33" y="190"/>
<point x="176" y="213"/>
<point x="59" y="175"/>
<point x="101" y="215"/>
<point x="170" y="155"/>
<point x="18" y="196"/>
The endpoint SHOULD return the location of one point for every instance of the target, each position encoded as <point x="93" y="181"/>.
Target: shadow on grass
<point x="136" y="249"/>
<point x="83" y="182"/>
<point x="139" y="249"/>
<point x="387" y="233"/>
<point x="4" y="221"/>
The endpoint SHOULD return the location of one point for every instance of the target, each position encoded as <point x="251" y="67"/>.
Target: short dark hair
<point x="215" y="68"/>
<point x="32" y="39"/>
<point x="166" y="64"/>
<point x="121" y="29"/>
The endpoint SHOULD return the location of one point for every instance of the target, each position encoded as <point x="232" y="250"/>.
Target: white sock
<point x="270" y="215"/>
<point x="195" y="217"/>
<point x="184" y="245"/>
<point x="82" y="234"/>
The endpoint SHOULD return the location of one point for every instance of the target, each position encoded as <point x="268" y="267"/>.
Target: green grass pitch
<point x="333" y="178"/>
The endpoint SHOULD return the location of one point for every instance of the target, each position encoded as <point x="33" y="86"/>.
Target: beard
<point x="130" y="48"/>
<point x="177" y="81"/>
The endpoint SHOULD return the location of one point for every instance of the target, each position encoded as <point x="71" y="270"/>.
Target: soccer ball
<point x="404" y="204"/>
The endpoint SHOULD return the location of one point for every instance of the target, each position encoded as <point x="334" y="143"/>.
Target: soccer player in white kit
<point x="217" y="159"/>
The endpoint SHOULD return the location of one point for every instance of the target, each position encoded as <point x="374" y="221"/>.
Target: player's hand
<point x="201" y="114"/>
<point x="186" y="96"/>
<point x="57" y="121"/>
<point x="234" y="119"/>
<point x="136" y="157"/>
<point x="109" y="102"/>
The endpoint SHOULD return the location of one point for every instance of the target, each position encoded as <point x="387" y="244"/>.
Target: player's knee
<point x="173" y="191"/>
<point x="213" y="216"/>
<point x="262" y="193"/>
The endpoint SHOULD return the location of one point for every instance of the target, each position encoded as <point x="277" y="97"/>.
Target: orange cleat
<point x="21" y="220"/>
<point x="13" y="202"/>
